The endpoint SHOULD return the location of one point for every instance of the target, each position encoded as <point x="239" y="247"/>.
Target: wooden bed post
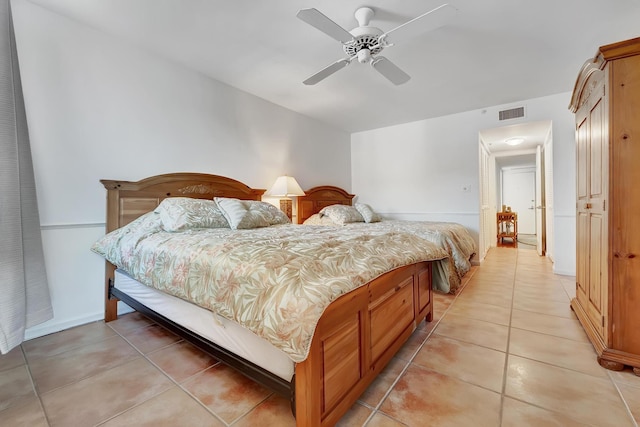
<point x="111" y="304"/>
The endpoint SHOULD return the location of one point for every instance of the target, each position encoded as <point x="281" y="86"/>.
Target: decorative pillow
<point x="272" y="214"/>
<point x="342" y="214"/>
<point x="367" y="213"/>
<point x="316" y="219"/>
<point x="184" y="213"/>
<point x="238" y="214"/>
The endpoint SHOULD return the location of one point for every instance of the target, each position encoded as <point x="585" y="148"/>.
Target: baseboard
<point x="564" y="273"/>
<point x="52" y="326"/>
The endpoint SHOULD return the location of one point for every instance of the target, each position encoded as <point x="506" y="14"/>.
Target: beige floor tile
<point x="181" y="360"/>
<point x="505" y="287"/>
<point x="98" y="398"/>
<point x="226" y="393"/>
<point x="12" y="359"/>
<point x="81" y="362"/>
<point x="426" y="398"/>
<point x="27" y="414"/>
<point x="543" y="306"/>
<point x="474" y="331"/>
<point x="15" y="387"/>
<point x="520" y="414"/>
<point x="625" y="377"/>
<point x="275" y="411"/>
<point x="468" y="362"/>
<point x="562" y="352"/>
<point x="427" y="327"/>
<point x="129" y="322"/>
<point x="492" y="314"/>
<point x="487" y="298"/>
<point x="572" y="393"/>
<point x="51" y="345"/>
<point x="489" y="291"/>
<point x="632" y="396"/>
<point x="150" y="338"/>
<point x="557" y="294"/>
<point x="356" y="416"/>
<point x="381" y="420"/>
<point x="570" y="289"/>
<point x="412" y="345"/>
<point x="550" y="325"/>
<point x="171" y="408"/>
<point x="498" y="278"/>
<point x="374" y="394"/>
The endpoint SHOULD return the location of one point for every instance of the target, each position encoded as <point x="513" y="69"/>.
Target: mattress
<point x="205" y="323"/>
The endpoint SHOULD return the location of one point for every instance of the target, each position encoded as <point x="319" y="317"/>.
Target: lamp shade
<point x="285" y="186"/>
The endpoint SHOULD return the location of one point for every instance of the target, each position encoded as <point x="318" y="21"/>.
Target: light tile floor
<point x="506" y="351"/>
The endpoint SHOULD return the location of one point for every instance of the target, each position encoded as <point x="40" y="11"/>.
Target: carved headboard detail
<point x="127" y="200"/>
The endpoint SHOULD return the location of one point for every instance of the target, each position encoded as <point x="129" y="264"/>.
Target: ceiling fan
<point x="364" y="42"/>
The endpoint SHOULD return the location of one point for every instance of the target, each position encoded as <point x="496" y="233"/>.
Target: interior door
<point x="540" y="205"/>
<point x="519" y="192"/>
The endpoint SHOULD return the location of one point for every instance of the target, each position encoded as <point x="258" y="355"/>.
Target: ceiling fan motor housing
<point x="363" y="38"/>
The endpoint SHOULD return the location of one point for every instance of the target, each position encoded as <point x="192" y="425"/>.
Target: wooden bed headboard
<point x="127" y="200"/>
<point x="318" y="197"/>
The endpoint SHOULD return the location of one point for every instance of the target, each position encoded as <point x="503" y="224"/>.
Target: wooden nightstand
<point x="507" y="226"/>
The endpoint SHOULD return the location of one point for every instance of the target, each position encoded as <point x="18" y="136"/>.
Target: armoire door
<point x="591" y="239"/>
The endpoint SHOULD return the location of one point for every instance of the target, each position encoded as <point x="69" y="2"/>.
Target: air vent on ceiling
<point x="513" y="113"/>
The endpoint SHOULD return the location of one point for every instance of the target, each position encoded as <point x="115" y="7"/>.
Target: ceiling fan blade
<point x="431" y="20"/>
<point x="390" y="70"/>
<point x="327" y="71"/>
<point x="317" y="19"/>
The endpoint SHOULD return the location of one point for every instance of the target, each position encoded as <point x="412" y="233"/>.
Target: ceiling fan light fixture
<point x="364" y="56"/>
<point x="514" y="141"/>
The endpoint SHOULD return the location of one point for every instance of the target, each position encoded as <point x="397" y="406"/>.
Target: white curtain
<point x="24" y="293"/>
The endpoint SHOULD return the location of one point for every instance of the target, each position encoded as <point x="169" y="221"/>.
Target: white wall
<point x="99" y="108"/>
<point x="423" y="169"/>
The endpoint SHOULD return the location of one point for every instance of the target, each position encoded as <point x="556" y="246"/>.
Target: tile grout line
<point x="624" y="401"/>
<point x="505" y="370"/>
<point x="33" y="384"/>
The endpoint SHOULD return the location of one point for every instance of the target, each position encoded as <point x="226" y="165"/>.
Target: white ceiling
<point x="533" y="133"/>
<point x="494" y="51"/>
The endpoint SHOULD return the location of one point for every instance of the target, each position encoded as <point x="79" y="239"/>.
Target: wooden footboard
<point x="357" y="336"/>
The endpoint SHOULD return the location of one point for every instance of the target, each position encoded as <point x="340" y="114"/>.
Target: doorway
<point x="519" y="194"/>
<point x="516" y="176"/>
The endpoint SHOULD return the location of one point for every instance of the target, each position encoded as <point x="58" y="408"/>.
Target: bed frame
<point x="356" y="337"/>
<point x="318" y="197"/>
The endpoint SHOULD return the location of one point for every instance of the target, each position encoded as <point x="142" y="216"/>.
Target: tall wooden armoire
<point x="606" y="101"/>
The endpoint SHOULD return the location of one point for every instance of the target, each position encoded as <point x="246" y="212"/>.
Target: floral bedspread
<point x="453" y="237"/>
<point x="276" y="281"/>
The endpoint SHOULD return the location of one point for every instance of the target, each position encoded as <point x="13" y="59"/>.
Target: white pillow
<point x="367" y="213"/>
<point x="238" y="214"/>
